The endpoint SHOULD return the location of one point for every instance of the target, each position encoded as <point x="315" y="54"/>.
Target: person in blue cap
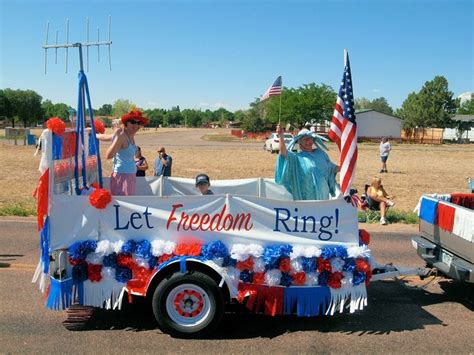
<point x="202" y="183"/>
<point x="308" y="174"/>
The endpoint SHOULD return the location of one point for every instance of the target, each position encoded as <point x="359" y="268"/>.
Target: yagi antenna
<point x="79" y="45"/>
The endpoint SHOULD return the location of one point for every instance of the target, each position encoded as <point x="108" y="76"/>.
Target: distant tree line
<point x="432" y="106"/>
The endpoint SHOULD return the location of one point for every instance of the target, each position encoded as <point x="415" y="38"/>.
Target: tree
<point x="5" y="106"/>
<point x="379" y="104"/>
<point x="60" y="110"/>
<point x="121" y="107"/>
<point x="433" y="106"/>
<point x="467" y="108"/>
<point x="25" y="106"/>
<point x="253" y="121"/>
<point x="105" y="110"/>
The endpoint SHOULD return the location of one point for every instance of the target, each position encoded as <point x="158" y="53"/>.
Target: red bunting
<point x="445" y="217"/>
<point x="261" y="298"/>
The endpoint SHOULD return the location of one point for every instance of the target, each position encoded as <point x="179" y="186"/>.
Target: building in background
<point x="373" y="125"/>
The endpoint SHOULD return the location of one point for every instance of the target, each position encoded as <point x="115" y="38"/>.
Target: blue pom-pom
<point x="214" y="250"/>
<point x="271" y="257"/>
<point x="358" y="278"/>
<point x="79" y="272"/>
<point x="129" y="247"/>
<point x="110" y="260"/>
<point x="152" y="261"/>
<point x="123" y="274"/>
<point x="228" y="261"/>
<point x="323" y="278"/>
<point x="89" y="246"/>
<point x="309" y="264"/>
<point x="246" y="276"/>
<point x="143" y="249"/>
<point x="334" y="252"/>
<point x="285" y="250"/>
<point x="349" y="265"/>
<point x="79" y="250"/>
<point x="286" y="279"/>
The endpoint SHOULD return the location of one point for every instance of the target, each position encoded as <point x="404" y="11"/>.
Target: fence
<point x="423" y="135"/>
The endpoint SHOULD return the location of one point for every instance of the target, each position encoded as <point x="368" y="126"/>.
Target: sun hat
<point x="202" y="178"/>
<point x="317" y="139"/>
<point x="135" y="115"/>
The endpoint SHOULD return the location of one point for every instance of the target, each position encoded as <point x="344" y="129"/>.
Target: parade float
<point x="189" y="256"/>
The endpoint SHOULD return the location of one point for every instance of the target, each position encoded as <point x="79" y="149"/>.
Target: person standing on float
<point x="122" y="150"/>
<point x="308" y="174"/>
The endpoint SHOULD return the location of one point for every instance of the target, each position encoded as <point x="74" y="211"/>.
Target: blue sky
<point x="207" y="54"/>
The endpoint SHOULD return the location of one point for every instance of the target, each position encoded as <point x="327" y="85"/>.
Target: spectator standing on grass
<point x="202" y="183"/>
<point x="163" y="163"/>
<point x="384" y="149"/>
<point x="140" y="162"/>
<point x="308" y="174"/>
<point x="379" y="199"/>
<point x="123" y="179"/>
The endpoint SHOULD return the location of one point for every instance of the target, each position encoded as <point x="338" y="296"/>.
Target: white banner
<point x="228" y="218"/>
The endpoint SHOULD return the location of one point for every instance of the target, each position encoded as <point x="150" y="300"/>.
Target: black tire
<point x="196" y="315"/>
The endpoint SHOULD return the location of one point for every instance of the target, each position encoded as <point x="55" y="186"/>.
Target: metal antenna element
<point x="79" y="45"/>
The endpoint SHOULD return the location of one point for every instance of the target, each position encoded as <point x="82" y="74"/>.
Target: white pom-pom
<point x="160" y="247"/>
<point x="103" y="248"/>
<point x="241" y="252"/>
<point x="258" y="265"/>
<point x="116" y="247"/>
<point x="296" y="265"/>
<point x="337" y="264"/>
<point x="358" y="251"/>
<point x="93" y="258"/>
<point x="108" y="273"/>
<point x="312" y="251"/>
<point x="311" y="279"/>
<point x="273" y="277"/>
<point x="141" y="261"/>
<point x="298" y="251"/>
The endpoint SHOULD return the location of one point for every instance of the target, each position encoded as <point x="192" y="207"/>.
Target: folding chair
<point x="372" y="214"/>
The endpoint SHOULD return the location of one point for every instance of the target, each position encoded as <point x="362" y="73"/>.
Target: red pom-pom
<point x="100" y="198"/>
<point x="193" y="249"/>
<point x="125" y="260"/>
<point x="299" y="278"/>
<point x="164" y="257"/>
<point x="285" y="265"/>
<point x="141" y="273"/>
<point x="75" y="262"/>
<point x="364" y="236"/>
<point x="362" y="265"/>
<point x="99" y="126"/>
<point x="247" y="264"/>
<point x="368" y="276"/>
<point x="334" y="280"/>
<point x="94" y="272"/>
<point x="324" y="265"/>
<point x="56" y="125"/>
<point x="258" y="278"/>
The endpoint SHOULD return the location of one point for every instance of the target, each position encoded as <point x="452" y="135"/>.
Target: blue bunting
<point x="143" y="249"/>
<point x="358" y="278"/>
<point x="323" y="278"/>
<point x="110" y="260"/>
<point x="129" y="247"/>
<point x="309" y="264"/>
<point x="123" y="274"/>
<point x="44" y="245"/>
<point x="286" y="279"/>
<point x="246" y="276"/>
<point x="57" y="147"/>
<point x="79" y="272"/>
<point x="214" y="250"/>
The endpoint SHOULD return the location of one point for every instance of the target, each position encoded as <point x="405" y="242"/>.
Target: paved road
<point x="434" y="315"/>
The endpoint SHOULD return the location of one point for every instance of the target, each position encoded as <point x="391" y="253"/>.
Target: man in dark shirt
<point x="163" y="163"/>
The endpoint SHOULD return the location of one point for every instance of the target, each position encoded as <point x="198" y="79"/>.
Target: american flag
<point x="343" y="129"/>
<point x="273" y="90"/>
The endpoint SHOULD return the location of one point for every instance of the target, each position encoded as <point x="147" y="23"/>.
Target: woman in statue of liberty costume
<point x="308" y="174"/>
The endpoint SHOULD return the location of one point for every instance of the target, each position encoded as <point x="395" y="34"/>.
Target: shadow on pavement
<point x="393" y="307"/>
<point x="5" y="258"/>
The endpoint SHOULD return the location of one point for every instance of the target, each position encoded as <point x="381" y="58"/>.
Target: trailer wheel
<point x="188" y="305"/>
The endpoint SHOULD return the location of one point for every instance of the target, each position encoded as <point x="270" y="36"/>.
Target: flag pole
<point x="279" y="112"/>
<point x="345" y="57"/>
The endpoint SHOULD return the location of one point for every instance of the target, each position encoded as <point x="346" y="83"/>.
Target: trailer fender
<point x="186" y="264"/>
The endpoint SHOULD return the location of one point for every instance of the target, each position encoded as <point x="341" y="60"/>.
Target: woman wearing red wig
<point x="122" y="150"/>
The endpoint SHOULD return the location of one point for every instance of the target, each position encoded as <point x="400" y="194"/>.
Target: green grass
<point x="393" y="216"/>
<point x="18" y="209"/>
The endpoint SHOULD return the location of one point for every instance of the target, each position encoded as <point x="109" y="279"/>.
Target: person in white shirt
<point x="384" y="149"/>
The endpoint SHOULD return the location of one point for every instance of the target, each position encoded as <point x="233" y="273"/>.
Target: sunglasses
<point x="135" y="122"/>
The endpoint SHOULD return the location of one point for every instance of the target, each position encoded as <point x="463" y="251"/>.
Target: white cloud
<point x="375" y="90"/>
